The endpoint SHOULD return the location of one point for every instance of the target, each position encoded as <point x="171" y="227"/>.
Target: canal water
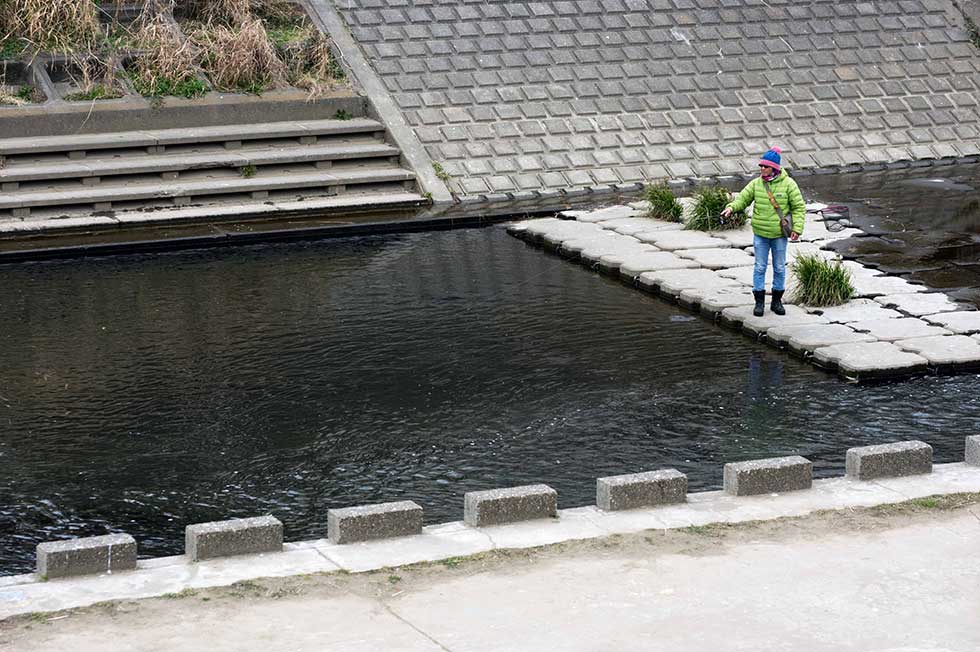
<point x="144" y="393"/>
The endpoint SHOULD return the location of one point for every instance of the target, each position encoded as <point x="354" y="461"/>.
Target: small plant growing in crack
<point x="441" y="172"/>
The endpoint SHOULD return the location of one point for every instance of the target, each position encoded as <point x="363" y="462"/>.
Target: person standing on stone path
<point x="773" y="187"/>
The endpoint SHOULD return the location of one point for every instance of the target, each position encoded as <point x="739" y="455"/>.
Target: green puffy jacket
<point x="765" y="222"/>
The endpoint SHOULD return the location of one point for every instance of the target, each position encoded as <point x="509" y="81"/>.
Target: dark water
<point x="142" y="394"/>
<point x="924" y="224"/>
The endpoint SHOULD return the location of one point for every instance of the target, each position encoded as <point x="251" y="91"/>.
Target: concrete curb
<point x="156" y="577"/>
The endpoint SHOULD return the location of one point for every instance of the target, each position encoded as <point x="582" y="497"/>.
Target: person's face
<point x="766" y="172"/>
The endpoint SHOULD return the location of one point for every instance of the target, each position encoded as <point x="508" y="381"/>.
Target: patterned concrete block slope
<point x="513" y="97"/>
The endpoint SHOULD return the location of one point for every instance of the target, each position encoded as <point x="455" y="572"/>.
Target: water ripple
<point x="142" y="394"/>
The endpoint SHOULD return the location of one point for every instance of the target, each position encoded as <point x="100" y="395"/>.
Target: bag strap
<point x="772" y="200"/>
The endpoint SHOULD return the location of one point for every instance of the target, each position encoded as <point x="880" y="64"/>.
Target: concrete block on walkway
<point x="635" y="490"/>
<point x="243" y="536"/>
<point x="889" y="460"/>
<point x="973" y="450"/>
<point x="773" y="475"/>
<point x="87" y="556"/>
<point x="370" y="522"/>
<point x="498" y="506"/>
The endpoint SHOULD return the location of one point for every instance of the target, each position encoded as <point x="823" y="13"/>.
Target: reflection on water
<point x="142" y="394"/>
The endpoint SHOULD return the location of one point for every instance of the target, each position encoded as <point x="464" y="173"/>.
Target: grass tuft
<point x="308" y="59"/>
<point x="95" y="93"/>
<point x="165" y="63"/>
<point x="52" y="25"/>
<point x="441" y="172"/>
<point x="240" y="58"/>
<point x="663" y="204"/>
<point x="820" y="282"/>
<point x="706" y="213"/>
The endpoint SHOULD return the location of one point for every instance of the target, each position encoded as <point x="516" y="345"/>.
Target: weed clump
<point x="308" y="59"/>
<point x="706" y="213"/>
<point x="820" y="282"/>
<point x="663" y="204"/>
<point x="240" y="58"/>
<point x="54" y="26"/>
<point x="165" y="62"/>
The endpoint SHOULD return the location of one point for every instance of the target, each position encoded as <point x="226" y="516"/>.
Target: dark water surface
<point x="924" y="224"/>
<point x="141" y="394"/>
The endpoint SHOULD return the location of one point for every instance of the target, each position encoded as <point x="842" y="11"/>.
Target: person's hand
<point x="794" y="236"/>
<point x="727" y="212"/>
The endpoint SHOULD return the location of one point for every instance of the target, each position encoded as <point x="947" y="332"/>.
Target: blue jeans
<point x="762" y="247"/>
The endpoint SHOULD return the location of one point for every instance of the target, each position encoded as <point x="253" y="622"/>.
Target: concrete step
<point x="91" y="169"/>
<point x="102" y="196"/>
<point x="217" y="212"/>
<point x="76" y="146"/>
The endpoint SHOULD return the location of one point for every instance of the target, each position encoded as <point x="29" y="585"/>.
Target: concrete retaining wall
<point x="515" y="98"/>
<point x="136" y="115"/>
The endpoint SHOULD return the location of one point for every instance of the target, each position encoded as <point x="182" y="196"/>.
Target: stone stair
<point x="330" y="164"/>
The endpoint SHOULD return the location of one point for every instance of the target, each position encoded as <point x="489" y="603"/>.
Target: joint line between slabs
<point x="399" y="617"/>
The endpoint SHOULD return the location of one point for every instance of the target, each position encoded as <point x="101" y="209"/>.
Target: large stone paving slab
<point x="634" y="265"/>
<point x="891" y="330"/>
<point x="857" y="269"/>
<point x="946" y="353"/>
<point x="604" y="214"/>
<point x="962" y="323"/>
<point x="677" y="240"/>
<point x="592" y="254"/>
<point x="875" y="286"/>
<point x="713" y="301"/>
<point x="919" y="303"/>
<point x="805" y="338"/>
<point x="717" y="258"/>
<point x="868" y="360"/>
<point x="796" y="249"/>
<point x="634" y="225"/>
<point x="742" y="317"/>
<point x="670" y="283"/>
<point x="816" y="230"/>
<point x="573" y="247"/>
<point x="741" y="238"/>
<point x="856" y="310"/>
<point x="513" y="97"/>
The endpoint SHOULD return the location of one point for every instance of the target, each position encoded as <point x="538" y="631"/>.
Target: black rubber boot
<point x="760" y="302"/>
<point x="777" y="302"/>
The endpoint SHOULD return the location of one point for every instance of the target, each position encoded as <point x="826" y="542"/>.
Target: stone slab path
<point x="893" y="328"/>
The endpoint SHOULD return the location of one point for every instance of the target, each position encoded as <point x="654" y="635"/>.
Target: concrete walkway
<point x="892" y="579"/>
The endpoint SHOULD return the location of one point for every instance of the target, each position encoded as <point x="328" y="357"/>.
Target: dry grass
<point x="52" y="25"/>
<point x="166" y="59"/>
<point x="94" y="78"/>
<point x="234" y="13"/>
<point x="310" y="63"/>
<point x="241" y="58"/>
